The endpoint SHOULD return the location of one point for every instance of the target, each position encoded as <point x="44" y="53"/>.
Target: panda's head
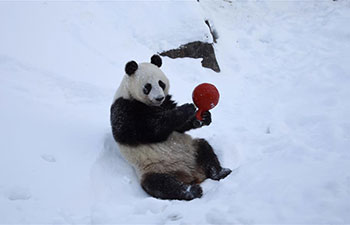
<point x="145" y="82"/>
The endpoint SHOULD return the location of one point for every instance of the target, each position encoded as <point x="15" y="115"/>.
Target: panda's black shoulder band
<point x="131" y="67"/>
<point x="156" y="60"/>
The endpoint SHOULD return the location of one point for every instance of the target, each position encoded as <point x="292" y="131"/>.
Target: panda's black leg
<point x="166" y="186"/>
<point x="207" y="159"/>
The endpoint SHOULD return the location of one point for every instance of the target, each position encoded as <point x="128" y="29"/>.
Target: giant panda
<point x="150" y="129"/>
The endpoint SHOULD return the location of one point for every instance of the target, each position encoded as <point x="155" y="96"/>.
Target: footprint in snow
<point x="19" y="193"/>
<point x="174" y="216"/>
<point x="48" y="158"/>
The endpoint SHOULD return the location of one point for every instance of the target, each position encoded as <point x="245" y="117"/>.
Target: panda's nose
<point x="160" y="99"/>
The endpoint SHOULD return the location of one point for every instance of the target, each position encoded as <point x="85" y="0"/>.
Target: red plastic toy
<point x="205" y="96"/>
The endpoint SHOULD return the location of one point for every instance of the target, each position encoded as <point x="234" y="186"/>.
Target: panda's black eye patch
<point x="147" y="88"/>
<point x="161" y="84"/>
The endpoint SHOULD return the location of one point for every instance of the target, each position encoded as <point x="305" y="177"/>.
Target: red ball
<point x="205" y="96"/>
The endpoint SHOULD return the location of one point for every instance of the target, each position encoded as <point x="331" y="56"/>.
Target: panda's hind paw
<point x="224" y="172"/>
<point x="196" y="191"/>
<point x="193" y="191"/>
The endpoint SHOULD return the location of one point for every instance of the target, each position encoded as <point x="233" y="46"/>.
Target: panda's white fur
<point x="177" y="153"/>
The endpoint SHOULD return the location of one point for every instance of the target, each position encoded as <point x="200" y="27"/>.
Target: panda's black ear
<point x="156" y="60"/>
<point x="131" y="67"/>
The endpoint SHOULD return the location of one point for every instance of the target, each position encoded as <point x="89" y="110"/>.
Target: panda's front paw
<point x="187" y="111"/>
<point x="206" y="118"/>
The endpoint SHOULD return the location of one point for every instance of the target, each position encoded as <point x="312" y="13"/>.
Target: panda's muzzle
<point x="159" y="99"/>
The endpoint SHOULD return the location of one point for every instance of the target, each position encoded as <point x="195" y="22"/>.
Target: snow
<point x="282" y="123"/>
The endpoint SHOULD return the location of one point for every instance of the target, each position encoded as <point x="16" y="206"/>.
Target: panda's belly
<point x="177" y="153"/>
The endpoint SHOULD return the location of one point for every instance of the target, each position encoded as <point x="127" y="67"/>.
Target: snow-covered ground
<point x="283" y="121"/>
